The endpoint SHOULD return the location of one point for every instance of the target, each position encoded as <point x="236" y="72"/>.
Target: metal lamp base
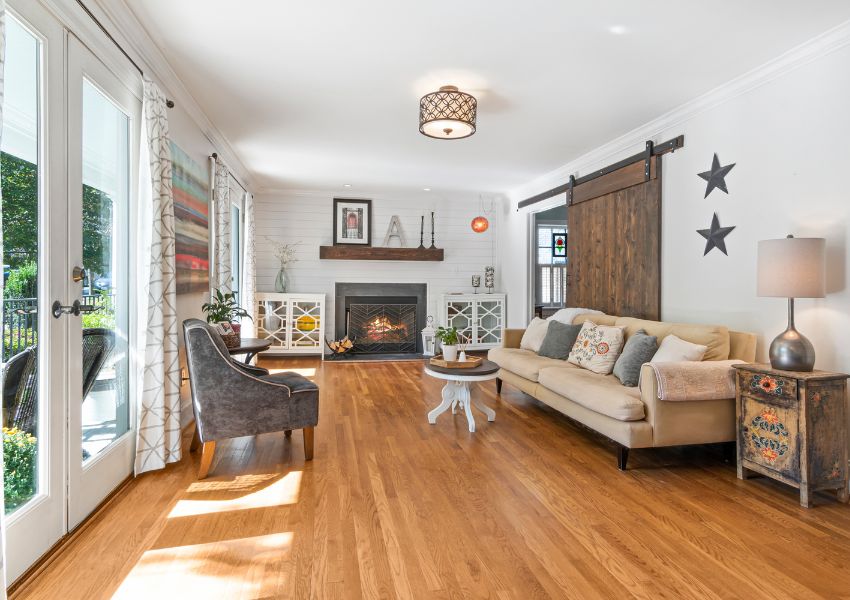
<point x="791" y="350"/>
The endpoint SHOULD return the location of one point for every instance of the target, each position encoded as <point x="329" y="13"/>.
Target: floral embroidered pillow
<point x="597" y="347"/>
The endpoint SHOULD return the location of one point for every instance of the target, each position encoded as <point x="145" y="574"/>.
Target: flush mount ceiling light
<point x="447" y="114"/>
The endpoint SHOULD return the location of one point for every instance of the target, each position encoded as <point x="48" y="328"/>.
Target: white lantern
<point x="429" y="338"/>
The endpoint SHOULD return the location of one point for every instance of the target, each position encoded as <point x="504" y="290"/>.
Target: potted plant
<point x="221" y="311"/>
<point x="285" y="253"/>
<point x="448" y="337"/>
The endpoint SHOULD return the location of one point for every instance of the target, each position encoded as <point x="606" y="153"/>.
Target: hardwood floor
<point x="530" y="506"/>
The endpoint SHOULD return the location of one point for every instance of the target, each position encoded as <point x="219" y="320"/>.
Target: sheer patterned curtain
<point x="158" y="441"/>
<point x="2" y="503"/>
<point x="221" y="276"/>
<point x="249" y="268"/>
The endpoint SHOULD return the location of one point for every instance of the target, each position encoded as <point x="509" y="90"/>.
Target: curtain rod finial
<point x="169" y="103"/>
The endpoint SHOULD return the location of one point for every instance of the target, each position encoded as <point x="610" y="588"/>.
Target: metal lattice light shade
<point x="447" y="114"/>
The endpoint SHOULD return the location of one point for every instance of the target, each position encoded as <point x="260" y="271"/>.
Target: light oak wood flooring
<point x="530" y="506"/>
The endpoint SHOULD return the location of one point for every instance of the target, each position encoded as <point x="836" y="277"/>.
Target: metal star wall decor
<point x="714" y="236"/>
<point x="716" y="176"/>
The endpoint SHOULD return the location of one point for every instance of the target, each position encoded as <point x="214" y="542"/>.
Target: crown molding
<point x="632" y="141"/>
<point x="125" y="27"/>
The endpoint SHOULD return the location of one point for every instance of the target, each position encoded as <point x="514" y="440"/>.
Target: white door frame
<point x="39" y="524"/>
<point x="90" y="483"/>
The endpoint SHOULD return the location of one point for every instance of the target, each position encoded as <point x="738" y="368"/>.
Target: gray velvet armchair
<point x="232" y="399"/>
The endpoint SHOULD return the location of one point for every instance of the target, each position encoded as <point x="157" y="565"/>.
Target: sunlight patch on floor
<point x="305" y="372"/>
<point x="280" y="493"/>
<point x="228" y="569"/>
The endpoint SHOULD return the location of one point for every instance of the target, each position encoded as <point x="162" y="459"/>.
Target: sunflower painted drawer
<point x="793" y="427"/>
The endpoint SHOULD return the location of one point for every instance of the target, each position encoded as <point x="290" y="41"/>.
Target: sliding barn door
<point x="614" y="243"/>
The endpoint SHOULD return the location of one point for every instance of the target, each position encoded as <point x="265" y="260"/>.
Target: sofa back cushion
<point x="534" y="334"/>
<point x="714" y="337"/>
<point x="598" y="318"/>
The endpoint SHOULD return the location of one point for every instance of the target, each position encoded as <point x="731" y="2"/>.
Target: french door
<point x="69" y="176"/>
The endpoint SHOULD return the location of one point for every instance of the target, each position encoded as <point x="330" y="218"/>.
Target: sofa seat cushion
<point x="525" y="363"/>
<point x="600" y="393"/>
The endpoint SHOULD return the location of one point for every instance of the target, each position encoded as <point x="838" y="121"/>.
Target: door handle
<point x="76" y="309"/>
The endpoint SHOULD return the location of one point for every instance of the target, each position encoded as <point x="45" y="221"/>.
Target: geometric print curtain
<point x="158" y="437"/>
<point x="221" y="276"/>
<point x="249" y="268"/>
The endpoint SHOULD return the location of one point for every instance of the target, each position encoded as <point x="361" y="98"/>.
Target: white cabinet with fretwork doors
<point x="479" y="318"/>
<point x="295" y="323"/>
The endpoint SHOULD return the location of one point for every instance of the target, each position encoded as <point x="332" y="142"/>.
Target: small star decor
<point x="715" y="235"/>
<point x="716" y="176"/>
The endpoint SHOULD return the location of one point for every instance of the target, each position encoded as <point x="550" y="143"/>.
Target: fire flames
<point x="381" y="327"/>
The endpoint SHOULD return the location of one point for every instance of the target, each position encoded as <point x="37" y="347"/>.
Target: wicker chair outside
<point x="20" y="378"/>
<point x="20" y="390"/>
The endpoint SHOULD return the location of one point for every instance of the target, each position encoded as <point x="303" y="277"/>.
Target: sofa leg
<point x="622" y="457"/>
<point x="207" y="453"/>
<point x="498" y="385"/>
<point x="287" y="433"/>
<point x="308" y="443"/>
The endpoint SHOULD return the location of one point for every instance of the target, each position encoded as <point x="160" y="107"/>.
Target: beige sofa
<point x="633" y="417"/>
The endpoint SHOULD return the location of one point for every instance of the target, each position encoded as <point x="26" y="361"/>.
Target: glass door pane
<point x="19" y="177"/>
<point x="106" y="185"/>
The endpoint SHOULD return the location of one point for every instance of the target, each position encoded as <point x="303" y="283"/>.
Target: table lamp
<point x="792" y="268"/>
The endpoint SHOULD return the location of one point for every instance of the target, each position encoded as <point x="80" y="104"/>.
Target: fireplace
<point x="381" y="318"/>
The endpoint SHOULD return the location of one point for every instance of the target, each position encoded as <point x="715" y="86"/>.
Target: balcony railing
<point x="20" y="322"/>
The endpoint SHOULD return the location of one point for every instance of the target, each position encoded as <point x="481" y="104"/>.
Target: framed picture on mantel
<point x="352" y="222"/>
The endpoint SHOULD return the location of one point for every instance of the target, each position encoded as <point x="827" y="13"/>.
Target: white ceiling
<point x="317" y="94"/>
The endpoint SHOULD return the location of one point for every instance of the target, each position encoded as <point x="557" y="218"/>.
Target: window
<point x="235" y="246"/>
<point x="550" y="268"/>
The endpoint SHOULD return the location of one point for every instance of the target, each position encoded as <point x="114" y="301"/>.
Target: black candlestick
<point x="422" y="232"/>
<point x="432" y="231"/>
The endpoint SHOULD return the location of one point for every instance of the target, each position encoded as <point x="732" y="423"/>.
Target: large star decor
<point x="716" y="176"/>
<point x="714" y="236"/>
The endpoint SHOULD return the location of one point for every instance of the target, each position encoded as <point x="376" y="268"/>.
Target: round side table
<point x="456" y="392"/>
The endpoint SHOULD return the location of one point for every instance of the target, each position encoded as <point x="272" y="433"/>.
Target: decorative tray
<point x="470" y="363"/>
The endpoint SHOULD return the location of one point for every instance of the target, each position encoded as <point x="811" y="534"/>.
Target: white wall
<point x="290" y="216"/>
<point x="787" y="128"/>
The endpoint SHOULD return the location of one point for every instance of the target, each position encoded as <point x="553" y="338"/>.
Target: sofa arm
<point x="512" y="338"/>
<point x="685" y="422"/>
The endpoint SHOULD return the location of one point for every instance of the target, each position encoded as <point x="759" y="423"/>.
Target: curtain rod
<point x="168" y="103"/>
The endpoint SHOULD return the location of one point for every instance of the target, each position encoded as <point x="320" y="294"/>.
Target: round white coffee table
<point x="456" y="392"/>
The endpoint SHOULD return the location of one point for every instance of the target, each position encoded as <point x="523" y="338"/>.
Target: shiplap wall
<point x="306" y="217"/>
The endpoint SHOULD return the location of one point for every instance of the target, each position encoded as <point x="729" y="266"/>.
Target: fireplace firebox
<point x="382" y="325"/>
<point x="381" y="318"/>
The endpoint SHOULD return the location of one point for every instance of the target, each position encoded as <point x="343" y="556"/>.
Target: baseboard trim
<point x="55" y="551"/>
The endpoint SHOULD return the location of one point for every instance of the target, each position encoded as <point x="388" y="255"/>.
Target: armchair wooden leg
<point x="287" y="433"/>
<point x="196" y="440"/>
<point x="308" y="443"/>
<point x="498" y="385"/>
<point x="206" y="459"/>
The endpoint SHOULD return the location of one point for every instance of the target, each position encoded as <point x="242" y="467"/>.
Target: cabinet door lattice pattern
<point x="490" y="322"/>
<point x="460" y="314"/>
<point x="306" y="324"/>
<point x="272" y="317"/>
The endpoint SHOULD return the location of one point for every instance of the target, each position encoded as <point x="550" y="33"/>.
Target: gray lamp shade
<point x="792" y="268"/>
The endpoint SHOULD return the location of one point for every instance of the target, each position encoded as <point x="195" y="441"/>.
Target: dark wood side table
<point x="250" y="347"/>
<point x="792" y="426"/>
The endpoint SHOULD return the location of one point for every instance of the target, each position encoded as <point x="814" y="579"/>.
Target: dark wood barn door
<point x="614" y="243"/>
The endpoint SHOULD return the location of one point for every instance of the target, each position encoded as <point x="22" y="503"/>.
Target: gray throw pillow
<point x="559" y="340"/>
<point x="639" y="349"/>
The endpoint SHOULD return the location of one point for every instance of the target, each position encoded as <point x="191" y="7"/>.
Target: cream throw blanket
<point x="689" y="381"/>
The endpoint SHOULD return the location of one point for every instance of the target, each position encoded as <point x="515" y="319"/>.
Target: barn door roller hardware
<point x="650" y="150"/>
